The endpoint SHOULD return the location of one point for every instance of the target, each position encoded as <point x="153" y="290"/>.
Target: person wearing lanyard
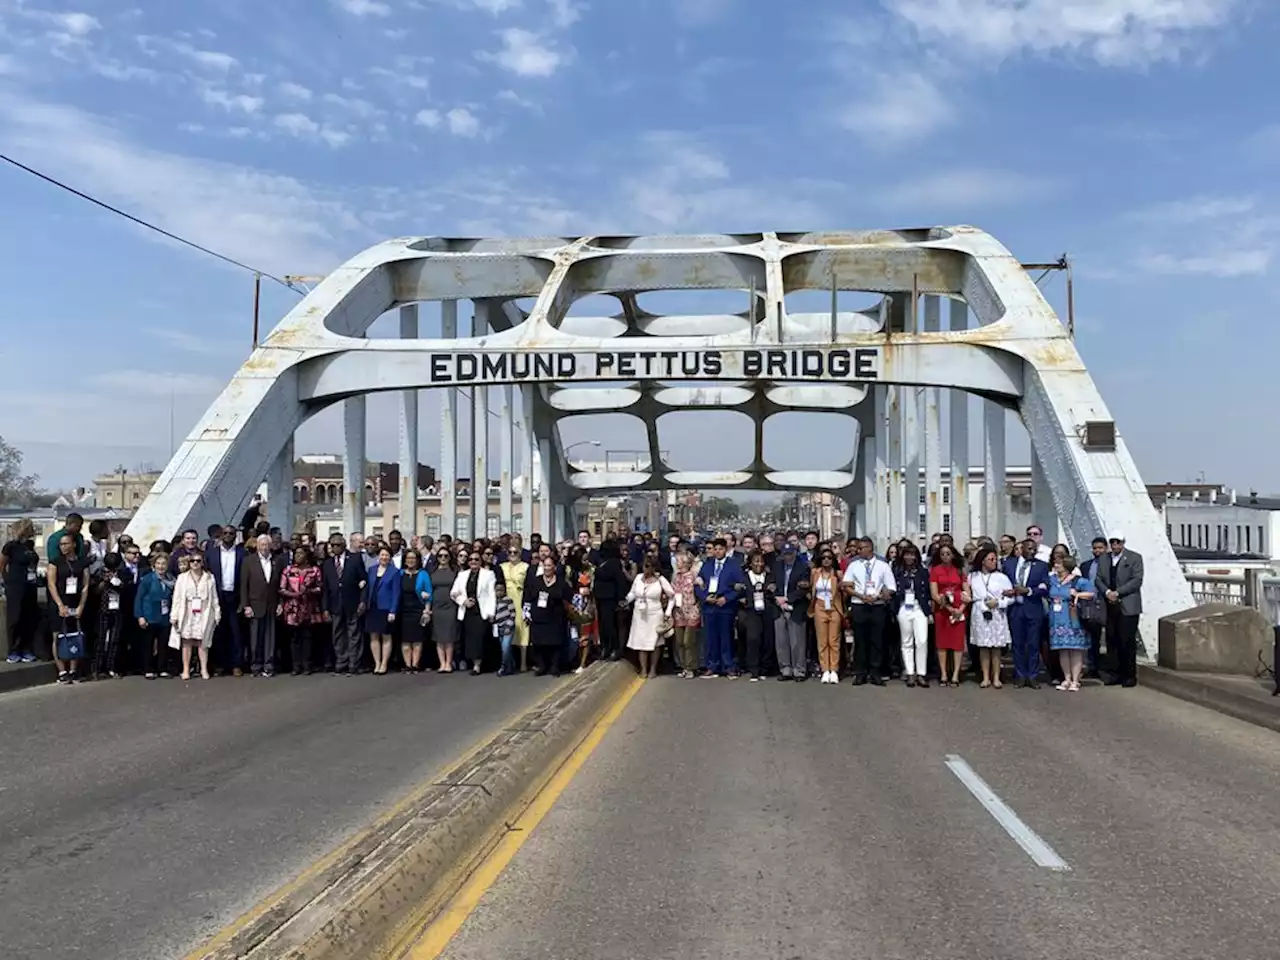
<point x="1030" y="578"/>
<point x="758" y="611"/>
<point x="911" y="601"/>
<point x="68" y="586"/>
<point x="992" y="594"/>
<point x="827" y="609"/>
<point x="719" y="581"/>
<point x="868" y="582"/>
<point x="19" y="565"/>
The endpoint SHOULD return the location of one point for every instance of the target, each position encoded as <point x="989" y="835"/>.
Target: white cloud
<point x="365" y="8"/>
<point x="463" y="123"/>
<point x="1224" y="263"/>
<point x="157" y="383"/>
<point x="510" y="96"/>
<point x="295" y="91"/>
<point x="1113" y="32"/>
<point x="565" y="13"/>
<point x="525" y="54"/>
<point x="298" y="124"/>
<point x="962" y="188"/>
<point x="898" y="108"/>
<point x="496" y="7"/>
<point x="427" y="118"/>
<point x="242" y="102"/>
<point x="1196" y="209"/>
<point x="700" y="13"/>
<point x="273" y="222"/>
<point x="76" y="24"/>
<point x="361" y="108"/>
<point x="212" y="59"/>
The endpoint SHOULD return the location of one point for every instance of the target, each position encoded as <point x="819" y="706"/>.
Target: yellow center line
<point x="436" y="937"/>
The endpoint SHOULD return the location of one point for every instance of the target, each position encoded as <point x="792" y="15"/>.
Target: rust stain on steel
<point x="1057" y="353"/>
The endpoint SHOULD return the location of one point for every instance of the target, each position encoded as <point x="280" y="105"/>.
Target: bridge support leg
<point x="545" y="522"/>
<point x="280" y="506"/>
<point x="408" y="523"/>
<point x="449" y="432"/>
<point x="961" y="520"/>
<point x="932" y="433"/>
<point x="354" y="426"/>
<point x="880" y="417"/>
<point x="527" y="455"/>
<point x="993" y="469"/>
<point x="507" y="457"/>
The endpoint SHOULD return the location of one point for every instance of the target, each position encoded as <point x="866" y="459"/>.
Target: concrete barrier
<point x="1216" y="638"/>
<point x="372" y="896"/>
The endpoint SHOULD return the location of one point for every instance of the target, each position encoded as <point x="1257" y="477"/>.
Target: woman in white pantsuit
<point x="989" y="622"/>
<point x="913" y="610"/>
<point x="651" y="599"/>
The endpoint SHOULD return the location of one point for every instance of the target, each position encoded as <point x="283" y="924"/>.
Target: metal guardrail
<point x="1259" y="589"/>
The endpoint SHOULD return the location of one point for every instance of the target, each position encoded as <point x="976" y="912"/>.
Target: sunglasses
<point x="195" y="560"/>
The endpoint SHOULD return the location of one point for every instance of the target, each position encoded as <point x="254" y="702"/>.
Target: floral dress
<point x="300" y="595"/>
<point x="1065" y="631"/>
<point x="686" y="612"/>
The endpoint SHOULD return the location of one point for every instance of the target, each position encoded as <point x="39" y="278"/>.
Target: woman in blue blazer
<point x="381" y="604"/>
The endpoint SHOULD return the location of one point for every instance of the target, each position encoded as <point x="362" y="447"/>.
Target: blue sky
<point x="1135" y="134"/>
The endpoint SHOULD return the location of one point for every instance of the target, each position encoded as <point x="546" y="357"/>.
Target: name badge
<point x="714" y="586"/>
<point x="31" y="576"/>
<point x="113" y="601"/>
<point x="197" y="606"/>
<point x="164" y="608"/>
<point x="759" y="599"/>
<point x="1057" y="605"/>
<point x="495" y="630"/>
<point x="679" y="599"/>
<point x="72" y="586"/>
<point x="909" y="600"/>
<point x="542" y="599"/>
<point x="115" y="581"/>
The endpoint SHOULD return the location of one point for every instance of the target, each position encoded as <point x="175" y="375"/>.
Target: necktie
<point x="341" y="557"/>
<point x="1022" y="573"/>
<point x="719" y="564"/>
<point x="868" y="576"/>
<point x="786" y="579"/>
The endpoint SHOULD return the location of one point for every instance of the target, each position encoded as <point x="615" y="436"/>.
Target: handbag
<point x="666" y="626"/>
<point x="1090" y="612"/>
<point x="70" y="643"/>
<point x="425" y="619"/>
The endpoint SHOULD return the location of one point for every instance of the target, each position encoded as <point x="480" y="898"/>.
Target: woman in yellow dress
<point x="514" y="570"/>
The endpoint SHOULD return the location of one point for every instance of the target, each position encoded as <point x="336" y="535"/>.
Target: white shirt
<point x="266" y="566"/>
<point x="869" y="576"/>
<point x="1044" y="552"/>
<point x="398" y="559"/>
<point x="228" y="568"/>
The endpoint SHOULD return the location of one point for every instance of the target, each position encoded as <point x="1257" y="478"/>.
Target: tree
<point x="720" y="509"/>
<point x="16" y="488"/>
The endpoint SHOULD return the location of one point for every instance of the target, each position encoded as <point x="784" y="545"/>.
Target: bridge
<point x="1002" y="342"/>
<point x="411" y="817"/>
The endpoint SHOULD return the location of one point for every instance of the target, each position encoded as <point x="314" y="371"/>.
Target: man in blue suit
<point x="1030" y="579"/>
<point x="718" y="586"/>
<point x="344" y="576"/>
<point x="223" y="558"/>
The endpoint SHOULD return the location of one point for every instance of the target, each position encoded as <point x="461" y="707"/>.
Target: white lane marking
<point x="1039" y="851"/>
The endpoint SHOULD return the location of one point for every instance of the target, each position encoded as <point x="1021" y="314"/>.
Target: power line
<point x="143" y="223"/>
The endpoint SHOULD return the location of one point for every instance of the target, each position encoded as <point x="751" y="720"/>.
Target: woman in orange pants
<point x="826" y="606"/>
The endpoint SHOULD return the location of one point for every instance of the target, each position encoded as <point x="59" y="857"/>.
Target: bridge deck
<point x="138" y="817"/>
<point x="722" y="819"/>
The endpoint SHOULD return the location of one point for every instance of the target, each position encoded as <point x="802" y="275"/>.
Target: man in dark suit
<point x="1030" y="579"/>
<point x="342" y="603"/>
<point x="1089" y="569"/>
<point x="718" y="586"/>
<point x="224" y="559"/>
<point x="1119" y="574"/>
<point x="260" y="600"/>
<point x="791" y="575"/>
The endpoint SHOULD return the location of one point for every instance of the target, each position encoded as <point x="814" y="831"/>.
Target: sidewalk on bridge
<point x="1245" y="698"/>
<point x="19" y="676"/>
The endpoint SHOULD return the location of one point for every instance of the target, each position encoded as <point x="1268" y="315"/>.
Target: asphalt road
<point x="138" y="817"/>
<point x="728" y="820"/>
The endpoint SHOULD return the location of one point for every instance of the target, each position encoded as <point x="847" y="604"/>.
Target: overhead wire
<point x="143" y="223"/>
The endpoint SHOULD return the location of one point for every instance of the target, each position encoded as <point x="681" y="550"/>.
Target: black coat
<point x="796" y="595"/>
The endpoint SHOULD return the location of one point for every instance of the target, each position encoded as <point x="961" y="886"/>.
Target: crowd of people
<point x="246" y="600"/>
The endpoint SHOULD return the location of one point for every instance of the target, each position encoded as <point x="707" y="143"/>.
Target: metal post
<point x="480" y="439"/>
<point x="911" y="424"/>
<point x="280" y="506"/>
<point x="932" y="432"/>
<point x="961" y="519"/>
<point x="868" y="513"/>
<point x="354" y="425"/>
<point x="1043" y="511"/>
<point x="993" y="469"/>
<point x="834" y="305"/>
<point x="257" y="304"/>
<point x="880" y="503"/>
<point x="529" y="466"/>
<point x="449" y="432"/>
<point x="545" y="521"/>
<point x="893" y="425"/>
<point x="507" y="457"/>
<point x="409" y="436"/>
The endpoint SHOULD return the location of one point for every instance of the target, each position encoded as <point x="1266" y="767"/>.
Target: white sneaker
<point x="826" y="676"/>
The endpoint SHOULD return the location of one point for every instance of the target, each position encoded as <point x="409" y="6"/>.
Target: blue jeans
<point x="718" y="622"/>
<point x="1026" y="642"/>
<point x="508" y="661"/>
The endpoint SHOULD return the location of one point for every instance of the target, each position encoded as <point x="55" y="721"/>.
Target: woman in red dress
<point x="950" y="591"/>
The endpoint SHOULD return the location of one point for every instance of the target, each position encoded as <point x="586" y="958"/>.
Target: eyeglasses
<point x="475" y="560"/>
<point x="196" y="560"/>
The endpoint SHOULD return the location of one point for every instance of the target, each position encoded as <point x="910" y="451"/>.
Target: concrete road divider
<point x="370" y="897"/>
